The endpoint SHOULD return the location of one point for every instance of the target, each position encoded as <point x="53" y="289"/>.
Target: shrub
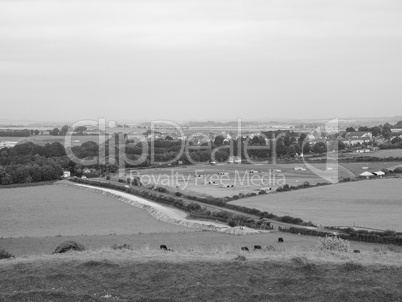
<point x="333" y="244"/>
<point x="279" y="189"/>
<point x="178" y="194"/>
<point x="5" y="255"/>
<point x="67" y="246"/>
<point x="124" y="246"/>
<point x="240" y="258"/>
<point x="232" y="223"/>
<point x="108" y="177"/>
<point x="122" y="180"/>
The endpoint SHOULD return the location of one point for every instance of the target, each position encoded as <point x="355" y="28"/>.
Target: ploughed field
<point x="57" y="210"/>
<point x="369" y="203"/>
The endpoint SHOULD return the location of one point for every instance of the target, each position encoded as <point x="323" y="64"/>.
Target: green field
<point x="56" y="210"/>
<point x="183" y="178"/>
<point x="186" y="240"/>
<point x="384" y="153"/>
<point x="222" y="275"/>
<point x="369" y="203"/>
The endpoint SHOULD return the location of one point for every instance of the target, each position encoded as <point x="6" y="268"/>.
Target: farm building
<point x="299" y="169"/>
<point x="366" y="174"/>
<point x="66" y="174"/>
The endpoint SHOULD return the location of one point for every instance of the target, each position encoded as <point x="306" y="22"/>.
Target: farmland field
<point x="371" y="203"/>
<point x="384" y="153"/>
<point x="359" y="167"/>
<point x="267" y="175"/>
<point x="57" y="210"/>
<point x="48" y="139"/>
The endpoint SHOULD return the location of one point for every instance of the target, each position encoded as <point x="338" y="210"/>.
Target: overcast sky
<point x="187" y="60"/>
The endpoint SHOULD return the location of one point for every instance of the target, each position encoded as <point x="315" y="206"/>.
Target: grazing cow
<point x="244" y="249"/>
<point x="280" y="239"/>
<point x="356" y="251"/>
<point x="163" y="247"/>
<point x="257" y="247"/>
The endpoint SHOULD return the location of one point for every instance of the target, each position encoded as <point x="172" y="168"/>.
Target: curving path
<point x="164" y="213"/>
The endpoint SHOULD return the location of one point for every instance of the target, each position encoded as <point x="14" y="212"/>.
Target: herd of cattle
<point x="243" y="248"/>
<point x="163" y="247"/>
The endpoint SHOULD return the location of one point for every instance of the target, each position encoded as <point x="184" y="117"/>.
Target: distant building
<point x="66" y="174"/>
<point x="237" y="160"/>
<point x="358" y="137"/>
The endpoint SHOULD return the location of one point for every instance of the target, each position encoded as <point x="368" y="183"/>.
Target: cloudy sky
<point x="204" y="59"/>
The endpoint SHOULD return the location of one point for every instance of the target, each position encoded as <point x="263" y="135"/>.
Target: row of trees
<point x="43" y="170"/>
<point x="18" y="133"/>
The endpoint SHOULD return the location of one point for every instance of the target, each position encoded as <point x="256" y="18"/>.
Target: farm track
<point x="165" y="213"/>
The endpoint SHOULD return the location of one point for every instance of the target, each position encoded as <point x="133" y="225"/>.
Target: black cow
<point x="257" y="247"/>
<point x="163" y="247"/>
<point x="280" y="239"/>
<point x="356" y="251"/>
<point x="244" y="249"/>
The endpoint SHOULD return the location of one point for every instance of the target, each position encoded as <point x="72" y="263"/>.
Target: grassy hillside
<point x="151" y="275"/>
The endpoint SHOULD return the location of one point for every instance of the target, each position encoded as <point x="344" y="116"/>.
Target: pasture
<point x="153" y="275"/>
<point x="56" y="210"/>
<point x="369" y="203"/>
<point x="186" y="240"/>
<point x="384" y="153"/>
<point x="232" y="179"/>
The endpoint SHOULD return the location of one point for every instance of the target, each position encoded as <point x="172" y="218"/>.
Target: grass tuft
<point x="240" y="258"/>
<point x="5" y="255"/>
<point x="95" y="263"/>
<point x="352" y="266"/>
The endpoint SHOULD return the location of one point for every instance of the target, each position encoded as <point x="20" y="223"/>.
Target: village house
<point x="357" y="138"/>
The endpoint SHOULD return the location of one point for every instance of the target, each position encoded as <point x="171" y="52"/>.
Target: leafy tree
<point x="319" y="148"/>
<point x="350" y="129"/>
<point x="386" y="132"/>
<point x="341" y="145"/>
<point x="219" y="140"/>
<point x="80" y="129"/>
<point x="63" y="130"/>
<point x="55" y="131"/>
